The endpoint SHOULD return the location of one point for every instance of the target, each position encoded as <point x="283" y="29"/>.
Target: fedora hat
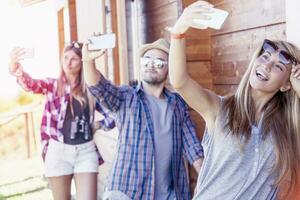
<point x="161" y="44"/>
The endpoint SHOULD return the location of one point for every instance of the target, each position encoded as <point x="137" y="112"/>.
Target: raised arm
<point x="91" y="75"/>
<point x="23" y="79"/>
<point x="203" y="101"/>
<point x="107" y="94"/>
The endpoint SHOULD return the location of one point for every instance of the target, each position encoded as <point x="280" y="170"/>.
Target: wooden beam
<point x="61" y="30"/>
<point x="114" y="25"/>
<point x="27" y="135"/>
<point x="122" y="42"/>
<point x="72" y="20"/>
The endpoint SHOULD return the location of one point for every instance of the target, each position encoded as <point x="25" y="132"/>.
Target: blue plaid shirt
<point x="133" y="169"/>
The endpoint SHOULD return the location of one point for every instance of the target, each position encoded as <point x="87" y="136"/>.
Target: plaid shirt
<point x="133" y="169"/>
<point x="55" y="109"/>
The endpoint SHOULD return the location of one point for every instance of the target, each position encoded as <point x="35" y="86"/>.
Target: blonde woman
<point x="67" y="125"/>
<point x="252" y="138"/>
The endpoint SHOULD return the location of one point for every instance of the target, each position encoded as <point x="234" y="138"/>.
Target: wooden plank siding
<point x="156" y="16"/>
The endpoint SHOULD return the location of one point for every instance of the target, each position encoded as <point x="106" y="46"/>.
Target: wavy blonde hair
<point x="280" y="119"/>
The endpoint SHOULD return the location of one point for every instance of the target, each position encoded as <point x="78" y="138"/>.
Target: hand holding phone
<point x="217" y="18"/>
<point x="106" y="41"/>
<point x="28" y="53"/>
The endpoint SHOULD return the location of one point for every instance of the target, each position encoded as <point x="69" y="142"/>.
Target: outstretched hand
<point x="14" y="60"/>
<point x="90" y="55"/>
<point x="197" y="10"/>
<point x="295" y="78"/>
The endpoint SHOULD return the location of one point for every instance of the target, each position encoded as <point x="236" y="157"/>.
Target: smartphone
<point x="106" y="41"/>
<point x="28" y="53"/>
<point x="217" y="18"/>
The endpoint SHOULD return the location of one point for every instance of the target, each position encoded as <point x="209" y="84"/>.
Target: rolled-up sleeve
<point x="107" y="94"/>
<point x="34" y="85"/>
<point x="108" y="122"/>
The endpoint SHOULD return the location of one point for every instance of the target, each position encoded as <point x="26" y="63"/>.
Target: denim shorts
<point x="65" y="159"/>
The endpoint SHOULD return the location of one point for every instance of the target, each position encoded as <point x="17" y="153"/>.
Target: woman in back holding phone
<point x="67" y="125"/>
<point x="252" y="139"/>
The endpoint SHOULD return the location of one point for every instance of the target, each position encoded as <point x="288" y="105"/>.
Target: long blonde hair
<point x="280" y="119"/>
<point x="79" y="91"/>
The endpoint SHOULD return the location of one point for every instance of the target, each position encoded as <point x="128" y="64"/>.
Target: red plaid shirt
<point x="55" y="108"/>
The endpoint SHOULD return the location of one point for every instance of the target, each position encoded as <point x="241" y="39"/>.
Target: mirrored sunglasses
<point x="157" y="63"/>
<point x="284" y="57"/>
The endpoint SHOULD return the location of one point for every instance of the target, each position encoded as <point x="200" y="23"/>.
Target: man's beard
<point x="155" y="81"/>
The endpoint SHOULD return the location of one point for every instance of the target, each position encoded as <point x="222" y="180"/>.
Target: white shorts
<point x="65" y="159"/>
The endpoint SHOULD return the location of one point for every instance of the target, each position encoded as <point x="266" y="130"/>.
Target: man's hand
<point x="88" y="56"/>
<point x="91" y="74"/>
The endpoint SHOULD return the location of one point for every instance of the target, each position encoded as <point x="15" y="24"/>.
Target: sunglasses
<point x="74" y="44"/>
<point x="284" y="57"/>
<point x="157" y="63"/>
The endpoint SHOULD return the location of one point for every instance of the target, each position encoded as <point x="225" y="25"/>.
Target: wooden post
<point x="122" y="40"/>
<point x="114" y="25"/>
<point x="72" y="20"/>
<point x="61" y="30"/>
<point x="27" y="135"/>
<point x="33" y="131"/>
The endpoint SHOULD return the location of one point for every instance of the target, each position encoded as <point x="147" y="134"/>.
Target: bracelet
<point x="177" y="36"/>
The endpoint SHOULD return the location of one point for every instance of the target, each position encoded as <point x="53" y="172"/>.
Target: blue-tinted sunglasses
<point x="284" y="57"/>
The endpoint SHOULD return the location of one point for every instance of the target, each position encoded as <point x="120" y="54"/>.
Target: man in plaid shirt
<point x="156" y="132"/>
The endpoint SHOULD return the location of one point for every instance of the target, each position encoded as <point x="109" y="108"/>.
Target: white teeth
<point x="261" y="76"/>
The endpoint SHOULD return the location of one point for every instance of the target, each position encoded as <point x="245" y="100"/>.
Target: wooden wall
<point x="156" y="16"/>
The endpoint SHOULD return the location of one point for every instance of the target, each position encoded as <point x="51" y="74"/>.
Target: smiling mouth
<point x="261" y="76"/>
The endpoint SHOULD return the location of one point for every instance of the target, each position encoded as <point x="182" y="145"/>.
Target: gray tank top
<point x="232" y="173"/>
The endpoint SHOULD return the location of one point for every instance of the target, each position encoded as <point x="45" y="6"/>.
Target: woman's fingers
<point x="296" y="71"/>
<point x="17" y="53"/>
<point x="199" y="4"/>
<point x="91" y="55"/>
<point x="199" y="10"/>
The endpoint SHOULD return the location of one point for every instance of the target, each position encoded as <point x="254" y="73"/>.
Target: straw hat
<point x="161" y="44"/>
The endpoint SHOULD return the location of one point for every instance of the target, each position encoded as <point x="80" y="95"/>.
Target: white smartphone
<point x="106" y="41"/>
<point x="28" y="53"/>
<point x="217" y="18"/>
